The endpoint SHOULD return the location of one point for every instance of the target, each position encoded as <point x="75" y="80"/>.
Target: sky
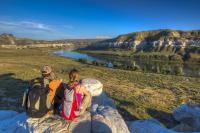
<point x="73" y="19"/>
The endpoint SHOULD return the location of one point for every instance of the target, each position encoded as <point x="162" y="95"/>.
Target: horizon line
<point x="101" y="38"/>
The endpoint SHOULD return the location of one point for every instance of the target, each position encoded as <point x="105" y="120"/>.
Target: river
<point x="191" y="70"/>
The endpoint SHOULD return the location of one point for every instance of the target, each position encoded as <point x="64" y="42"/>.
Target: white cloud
<point x="37" y="26"/>
<point x="31" y="29"/>
<point x="25" y="25"/>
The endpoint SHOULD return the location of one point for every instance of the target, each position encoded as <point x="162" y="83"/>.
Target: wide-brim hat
<point x="46" y="69"/>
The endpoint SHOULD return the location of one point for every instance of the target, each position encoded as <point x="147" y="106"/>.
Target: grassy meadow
<point x="137" y="95"/>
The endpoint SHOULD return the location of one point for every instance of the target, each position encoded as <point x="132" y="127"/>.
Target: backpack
<point x="67" y="103"/>
<point x="38" y="102"/>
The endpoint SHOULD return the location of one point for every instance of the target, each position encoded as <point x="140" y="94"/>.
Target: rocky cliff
<point x="150" y="40"/>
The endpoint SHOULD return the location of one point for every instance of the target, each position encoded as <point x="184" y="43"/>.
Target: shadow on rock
<point x="86" y="127"/>
<point x="126" y="115"/>
<point x="166" y="118"/>
<point x="99" y="127"/>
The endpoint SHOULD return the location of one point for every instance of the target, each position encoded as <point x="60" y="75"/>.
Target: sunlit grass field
<point x="137" y="95"/>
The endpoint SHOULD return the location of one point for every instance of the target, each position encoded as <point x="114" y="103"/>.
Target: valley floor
<point x="137" y="95"/>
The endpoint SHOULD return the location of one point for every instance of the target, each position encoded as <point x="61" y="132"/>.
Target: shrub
<point x="178" y="70"/>
<point x="96" y="63"/>
<point x="175" y="58"/>
<point x="82" y="60"/>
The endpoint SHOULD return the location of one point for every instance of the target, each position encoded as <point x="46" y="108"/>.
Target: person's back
<point x="41" y="94"/>
<point x="54" y="85"/>
<point x="37" y="102"/>
<point x="58" y="97"/>
<point x="76" y="98"/>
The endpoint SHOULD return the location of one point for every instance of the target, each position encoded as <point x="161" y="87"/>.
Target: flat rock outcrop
<point x="103" y="117"/>
<point x="188" y="115"/>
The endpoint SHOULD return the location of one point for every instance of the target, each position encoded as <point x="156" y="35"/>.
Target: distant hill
<point x="79" y="43"/>
<point x="7" y="39"/>
<point x="152" y="40"/>
<point x="11" y="40"/>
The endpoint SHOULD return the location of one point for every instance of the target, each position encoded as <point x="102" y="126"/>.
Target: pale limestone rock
<point x="188" y="114"/>
<point x="81" y="124"/>
<point x="148" y="126"/>
<point x="94" y="86"/>
<point x="182" y="127"/>
<point x="105" y="116"/>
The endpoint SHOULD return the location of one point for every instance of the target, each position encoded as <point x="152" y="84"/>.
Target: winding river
<point x="192" y="70"/>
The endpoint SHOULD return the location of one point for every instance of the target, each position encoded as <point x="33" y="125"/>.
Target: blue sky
<point x="62" y="19"/>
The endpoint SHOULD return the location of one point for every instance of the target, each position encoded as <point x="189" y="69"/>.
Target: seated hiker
<point x="76" y="98"/>
<point x="40" y="97"/>
<point x="58" y="98"/>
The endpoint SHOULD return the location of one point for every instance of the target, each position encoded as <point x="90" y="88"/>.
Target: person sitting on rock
<point x="76" y="97"/>
<point x="39" y="99"/>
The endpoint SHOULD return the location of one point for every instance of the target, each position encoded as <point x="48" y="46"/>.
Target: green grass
<point x="137" y="95"/>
